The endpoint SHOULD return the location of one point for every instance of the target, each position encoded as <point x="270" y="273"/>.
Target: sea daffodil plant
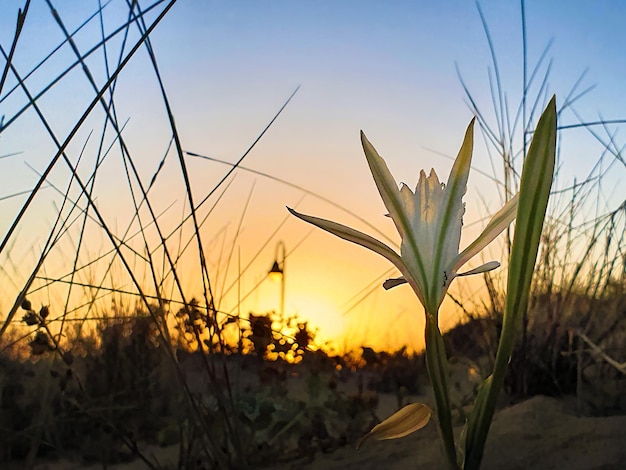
<point x="429" y="222"/>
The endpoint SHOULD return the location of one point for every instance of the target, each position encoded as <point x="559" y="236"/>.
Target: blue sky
<point x="388" y="68"/>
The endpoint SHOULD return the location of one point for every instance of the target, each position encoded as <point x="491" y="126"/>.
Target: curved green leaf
<point x="537" y="176"/>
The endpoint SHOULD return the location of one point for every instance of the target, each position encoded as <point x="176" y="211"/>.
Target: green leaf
<point x="537" y="176"/>
<point x="479" y="418"/>
<point x="402" y="423"/>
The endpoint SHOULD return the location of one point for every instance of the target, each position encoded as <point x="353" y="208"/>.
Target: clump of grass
<point x="117" y="396"/>
<point x="105" y="379"/>
<point x="579" y="283"/>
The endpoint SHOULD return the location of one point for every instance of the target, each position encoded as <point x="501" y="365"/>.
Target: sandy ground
<point x="540" y="433"/>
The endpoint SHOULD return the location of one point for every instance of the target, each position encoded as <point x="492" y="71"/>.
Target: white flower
<point x="429" y="222"/>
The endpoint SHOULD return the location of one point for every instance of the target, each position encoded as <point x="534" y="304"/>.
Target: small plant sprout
<point x="429" y="222"/>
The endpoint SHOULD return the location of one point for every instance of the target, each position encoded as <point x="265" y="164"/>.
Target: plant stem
<point x="437" y="364"/>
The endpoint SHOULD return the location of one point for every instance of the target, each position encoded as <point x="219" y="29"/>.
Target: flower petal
<point x="403" y="422"/>
<point x="354" y="236"/>
<point x="391" y="283"/>
<point x="387" y="186"/>
<point x="446" y="248"/>
<point x="490" y="266"/>
<point x="366" y="241"/>
<point x="424" y="217"/>
<point x="501" y="220"/>
<point x="397" y="201"/>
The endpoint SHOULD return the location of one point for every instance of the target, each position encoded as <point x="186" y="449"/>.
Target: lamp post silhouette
<point x="277" y="272"/>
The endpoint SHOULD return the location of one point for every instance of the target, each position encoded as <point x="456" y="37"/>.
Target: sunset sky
<point x="388" y="68"/>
